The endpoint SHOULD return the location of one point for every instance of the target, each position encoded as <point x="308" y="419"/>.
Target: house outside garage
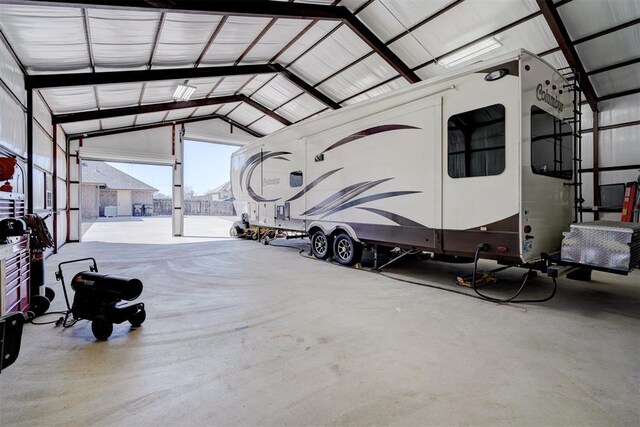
<point x="104" y="186"/>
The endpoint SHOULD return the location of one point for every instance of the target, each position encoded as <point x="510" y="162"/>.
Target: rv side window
<point x="476" y="142"/>
<point x="295" y="179"/>
<point x="551" y="145"/>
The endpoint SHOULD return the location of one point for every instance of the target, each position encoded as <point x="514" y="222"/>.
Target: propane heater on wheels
<point x="97" y="297"/>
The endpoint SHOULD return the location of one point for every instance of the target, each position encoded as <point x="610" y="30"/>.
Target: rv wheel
<point x="346" y="250"/>
<point x="320" y="245"/>
<point x="101" y="328"/>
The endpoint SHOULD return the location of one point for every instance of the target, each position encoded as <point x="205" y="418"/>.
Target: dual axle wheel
<point x="343" y="248"/>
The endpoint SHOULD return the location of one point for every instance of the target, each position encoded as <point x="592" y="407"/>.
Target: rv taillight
<point x="527" y="229"/>
<point x="503" y="249"/>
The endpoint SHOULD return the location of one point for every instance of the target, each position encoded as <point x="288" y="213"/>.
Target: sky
<point x="206" y="167"/>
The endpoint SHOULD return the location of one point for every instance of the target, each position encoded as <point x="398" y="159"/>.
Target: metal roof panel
<point x="183" y="38"/>
<point x="46" y="38"/>
<point x="281" y="33"/>
<point x="232" y="40"/>
<point x="335" y="52"/>
<point x="355" y="79"/>
<point x="266" y="125"/>
<point x="583" y="18"/>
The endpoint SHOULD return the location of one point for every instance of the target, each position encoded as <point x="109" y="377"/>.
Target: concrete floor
<point x="240" y="333"/>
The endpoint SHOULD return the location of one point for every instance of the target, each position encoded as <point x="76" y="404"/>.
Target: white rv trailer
<point x="481" y="155"/>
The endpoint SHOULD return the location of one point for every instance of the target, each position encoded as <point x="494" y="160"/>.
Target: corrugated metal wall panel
<point x="11" y="74"/>
<point x="41" y="113"/>
<point x="620" y="110"/>
<point x="13" y="125"/>
<point x="42" y="149"/>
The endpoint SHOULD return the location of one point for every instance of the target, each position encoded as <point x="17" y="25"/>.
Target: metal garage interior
<point x="239" y="333"/>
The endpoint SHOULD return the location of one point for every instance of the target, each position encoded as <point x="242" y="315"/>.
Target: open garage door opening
<point x="208" y="203"/>
<point x="126" y="200"/>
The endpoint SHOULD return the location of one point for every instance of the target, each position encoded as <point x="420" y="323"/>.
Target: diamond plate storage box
<point x="605" y="244"/>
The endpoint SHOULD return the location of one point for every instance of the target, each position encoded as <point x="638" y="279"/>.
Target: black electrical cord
<point x="479" y="295"/>
<point x="64" y="321"/>
<point x="511" y="299"/>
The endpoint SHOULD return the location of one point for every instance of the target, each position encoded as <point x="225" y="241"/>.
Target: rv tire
<point x="321" y="245"/>
<point x="346" y="250"/>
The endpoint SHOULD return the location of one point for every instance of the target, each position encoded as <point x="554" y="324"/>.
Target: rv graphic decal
<point x="544" y="96"/>
<point x="252" y="163"/>
<point x="367" y="132"/>
<point x="368" y="199"/>
<point x="258" y="158"/>
<point x="313" y="184"/>
<point x="343" y="196"/>
<point x="400" y="220"/>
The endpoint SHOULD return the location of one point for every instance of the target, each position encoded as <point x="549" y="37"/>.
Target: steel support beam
<point x="309" y="89"/>
<point x="126" y="129"/>
<point x="561" y="35"/>
<point x="143" y="109"/>
<point x="54" y="190"/>
<point x="596" y="163"/>
<point x="42" y="81"/>
<point x="250" y="8"/>
<point x="165" y="106"/>
<point x="29" y="151"/>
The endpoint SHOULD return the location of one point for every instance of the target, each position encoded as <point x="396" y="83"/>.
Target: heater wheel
<point x="101" y="328"/>
<point x="39" y="305"/>
<point x="138" y="318"/>
<point x="49" y="293"/>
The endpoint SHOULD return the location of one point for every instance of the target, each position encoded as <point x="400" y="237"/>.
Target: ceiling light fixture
<point x="469" y="52"/>
<point x="183" y="92"/>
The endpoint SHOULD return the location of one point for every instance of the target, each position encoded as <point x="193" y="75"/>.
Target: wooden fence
<point x="195" y="207"/>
